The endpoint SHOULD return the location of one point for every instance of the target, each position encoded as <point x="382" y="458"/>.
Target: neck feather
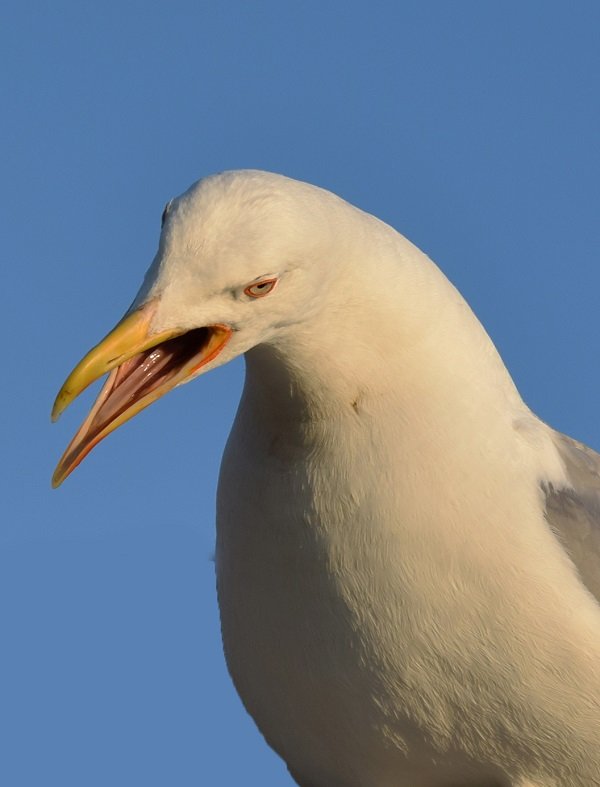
<point x="393" y="329"/>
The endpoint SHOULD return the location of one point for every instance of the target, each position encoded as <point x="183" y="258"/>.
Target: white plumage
<point x="406" y="555"/>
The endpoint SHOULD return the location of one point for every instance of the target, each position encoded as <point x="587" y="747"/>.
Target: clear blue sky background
<point x="473" y="127"/>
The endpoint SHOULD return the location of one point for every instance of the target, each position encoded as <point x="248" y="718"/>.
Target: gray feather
<point x="573" y="512"/>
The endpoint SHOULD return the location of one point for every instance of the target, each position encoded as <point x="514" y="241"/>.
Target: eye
<point x="260" y="288"/>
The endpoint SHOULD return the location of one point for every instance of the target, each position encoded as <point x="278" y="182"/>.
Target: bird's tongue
<point x="142" y="374"/>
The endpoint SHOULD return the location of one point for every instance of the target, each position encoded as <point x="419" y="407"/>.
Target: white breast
<point x="390" y="591"/>
<point x="363" y="629"/>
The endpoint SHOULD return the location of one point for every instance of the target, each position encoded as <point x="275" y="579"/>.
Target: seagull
<point x="408" y="559"/>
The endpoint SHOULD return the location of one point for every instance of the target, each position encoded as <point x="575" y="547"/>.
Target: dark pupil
<point x="261" y="286"/>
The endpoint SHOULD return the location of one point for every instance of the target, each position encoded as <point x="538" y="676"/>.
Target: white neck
<point x="391" y="315"/>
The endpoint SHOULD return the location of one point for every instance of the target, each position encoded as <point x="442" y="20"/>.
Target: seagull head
<point x="243" y="258"/>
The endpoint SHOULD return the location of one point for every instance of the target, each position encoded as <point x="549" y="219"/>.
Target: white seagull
<point x="408" y="559"/>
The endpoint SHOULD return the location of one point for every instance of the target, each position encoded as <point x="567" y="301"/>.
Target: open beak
<point x="143" y="367"/>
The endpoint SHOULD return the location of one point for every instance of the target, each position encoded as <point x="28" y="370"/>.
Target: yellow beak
<point x="143" y="367"/>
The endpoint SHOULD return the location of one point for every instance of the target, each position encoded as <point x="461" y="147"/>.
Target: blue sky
<point x="472" y="127"/>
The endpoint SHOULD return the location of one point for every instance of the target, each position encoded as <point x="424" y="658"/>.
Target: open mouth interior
<point x="138" y="382"/>
<point x="153" y="369"/>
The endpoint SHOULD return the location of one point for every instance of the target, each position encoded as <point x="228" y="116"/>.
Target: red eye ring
<point x="260" y="288"/>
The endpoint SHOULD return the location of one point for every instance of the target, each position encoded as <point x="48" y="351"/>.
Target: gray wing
<point x="574" y="512"/>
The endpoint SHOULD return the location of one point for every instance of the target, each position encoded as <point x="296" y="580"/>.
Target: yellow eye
<point x="260" y="288"/>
